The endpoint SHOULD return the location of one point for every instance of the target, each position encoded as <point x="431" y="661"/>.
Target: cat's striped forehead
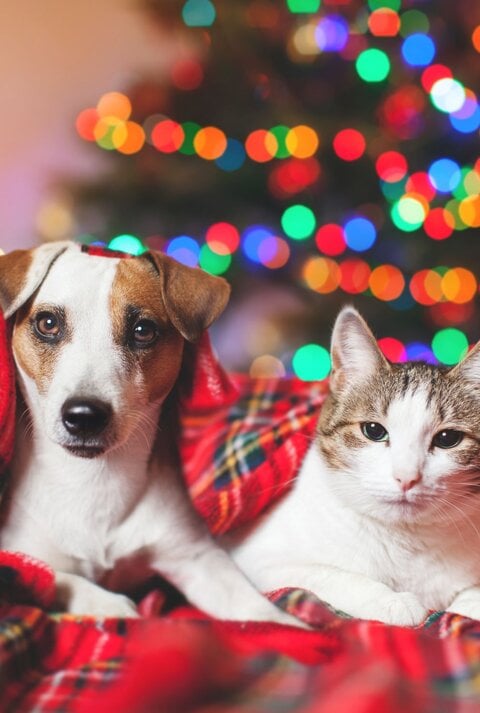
<point x="444" y="395"/>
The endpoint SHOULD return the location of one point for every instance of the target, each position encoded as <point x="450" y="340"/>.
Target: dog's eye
<point x="448" y="438"/>
<point x="145" y="332"/>
<point x="47" y="324"/>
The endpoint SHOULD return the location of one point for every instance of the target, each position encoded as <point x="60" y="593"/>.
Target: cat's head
<point x="402" y="441"/>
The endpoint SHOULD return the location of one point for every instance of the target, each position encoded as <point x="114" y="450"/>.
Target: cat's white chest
<point x="312" y="527"/>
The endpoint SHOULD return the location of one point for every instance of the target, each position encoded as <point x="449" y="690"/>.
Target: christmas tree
<point x="314" y="153"/>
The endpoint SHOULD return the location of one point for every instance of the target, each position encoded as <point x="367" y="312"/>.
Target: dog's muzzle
<point x="85" y="420"/>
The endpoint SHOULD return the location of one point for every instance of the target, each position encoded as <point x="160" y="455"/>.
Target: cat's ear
<point x="469" y="367"/>
<point x="354" y="350"/>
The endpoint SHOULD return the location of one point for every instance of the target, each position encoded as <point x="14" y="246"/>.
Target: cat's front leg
<point x="352" y="593"/>
<point x="78" y="595"/>
<point x="467" y="603"/>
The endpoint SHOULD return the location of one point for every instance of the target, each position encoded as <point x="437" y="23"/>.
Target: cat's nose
<point x="408" y="483"/>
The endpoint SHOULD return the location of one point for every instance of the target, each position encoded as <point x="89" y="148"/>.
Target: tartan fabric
<point x="242" y="449"/>
<point x="243" y="441"/>
<point x="185" y="662"/>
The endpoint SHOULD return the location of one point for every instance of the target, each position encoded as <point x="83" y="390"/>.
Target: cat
<point x="383" y="521"/>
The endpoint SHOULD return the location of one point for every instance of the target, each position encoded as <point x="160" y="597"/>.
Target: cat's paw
<point x="107" y="605"/>
<point x="399" y="609"/>
<point x="77" y="595"/>
<point x="467" y="603"/>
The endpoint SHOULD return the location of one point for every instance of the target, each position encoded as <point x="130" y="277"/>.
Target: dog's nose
<point x="83" y="417"/>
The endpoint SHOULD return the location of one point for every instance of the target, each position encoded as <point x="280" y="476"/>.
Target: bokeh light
<point x="386" y="282"/>
<point x="311" y="362"/>
<point x="302" y="141"/>
<point x="167" y="136"/>
<point x="184" y="249"/>
<point x="372" y="65"/>
<point x="330" y="239"/>
<point x="210" y="143"/>
<point x="444" y="174"/>
<point x="447" y="95"/>
<point x="354" y="276"/>
<point x="331" y="33"/>
<point x="223" y="238"/>
<point x="127" y="244"/>
<point x="449" y="345"/>
<point x="198" y="13"/>
<point x="360" y="233"/>
<point x="349" y="144"/>
<point x="384" y="22"/>
<point x="213" y="262"/>
<point x="321" y="274"/>
<point x="261" y="145"/>
<point x="393" y="349"/>
<point x="303" y="5"/>
<point x="418" y="50"/>
<point x="298" y="222"/>
<point x="391" y="166"/>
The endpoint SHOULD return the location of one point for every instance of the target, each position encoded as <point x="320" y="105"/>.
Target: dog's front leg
<point x="212" y="581"/>
<point x="78" y="595"/>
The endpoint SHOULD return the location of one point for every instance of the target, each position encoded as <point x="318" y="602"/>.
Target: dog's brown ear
<point x="23" y="271"/>
<point x="193" y="298"/>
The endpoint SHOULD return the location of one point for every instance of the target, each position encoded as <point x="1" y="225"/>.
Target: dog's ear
<point x="193" y="298"/>
<point x="23" y="271"/>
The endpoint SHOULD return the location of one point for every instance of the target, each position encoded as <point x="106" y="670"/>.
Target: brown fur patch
<point x="453" y="402"/>
<point x="136" y="288"/>
<point x="36" y="357"/>
<point x="13" y="272"/>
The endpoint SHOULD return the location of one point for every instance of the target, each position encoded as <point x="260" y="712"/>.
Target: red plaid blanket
<point x="242" y="445"/>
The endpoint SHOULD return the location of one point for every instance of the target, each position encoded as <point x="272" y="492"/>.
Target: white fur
<point x="116" y="518"/>
<point x="388" y="538"/>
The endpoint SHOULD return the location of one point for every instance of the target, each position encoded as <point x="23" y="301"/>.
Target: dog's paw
<point x="397" y="608"/>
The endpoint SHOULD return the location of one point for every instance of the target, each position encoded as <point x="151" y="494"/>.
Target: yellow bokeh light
<point x="302" y="141"/>
<point x="210" y="143"/>
<point x="469" y="211"/>
<point x="321" y="274"/>
<point x="115" y="104"/>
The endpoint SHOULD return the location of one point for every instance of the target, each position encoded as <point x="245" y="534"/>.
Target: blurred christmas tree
<point x="313" y="153"/>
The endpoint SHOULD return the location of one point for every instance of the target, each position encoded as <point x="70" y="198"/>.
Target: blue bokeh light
<point x="252" y="240"/>
<point x="445" y="175"/>
<point x="360" y="234"/>
<point x="233" y="157"/>
<point x="418" y="50"/>
<point x="331" y="33"/>
<point x="184" y="249"/>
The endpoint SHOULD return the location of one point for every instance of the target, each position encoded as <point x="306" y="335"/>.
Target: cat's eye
<point x="374" y="431"/>
<point x="448" y="438"/>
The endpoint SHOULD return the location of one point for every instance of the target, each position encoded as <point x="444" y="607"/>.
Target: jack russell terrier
<point x="95" y="490"/>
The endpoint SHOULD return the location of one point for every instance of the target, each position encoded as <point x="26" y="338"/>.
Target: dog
<point x="95" y="489"/>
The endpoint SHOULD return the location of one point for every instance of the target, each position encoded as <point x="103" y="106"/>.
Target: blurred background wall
<point x="55" y="58"/>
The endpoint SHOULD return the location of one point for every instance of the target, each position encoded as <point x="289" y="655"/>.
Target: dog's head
<point x="98" y="340"/>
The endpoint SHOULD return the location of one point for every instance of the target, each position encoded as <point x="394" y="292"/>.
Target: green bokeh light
<point x="280" y="132"/>
<point x="393" y="190"/>
<point x="377" y="4"/>
<point x="414" y="21"/>
<point x="298" y="222"/>
<point x="450" y="346"/>
<point x="199" y="13"/>
<point x="213" y="262"/>
<point x="127" y="244"/>
<point x="406" y="217"/>
<point x="372" y="65"/>
<point x="190" y="129"/>
<point x="303" y="5"/>
<point x="311" y="362"/>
